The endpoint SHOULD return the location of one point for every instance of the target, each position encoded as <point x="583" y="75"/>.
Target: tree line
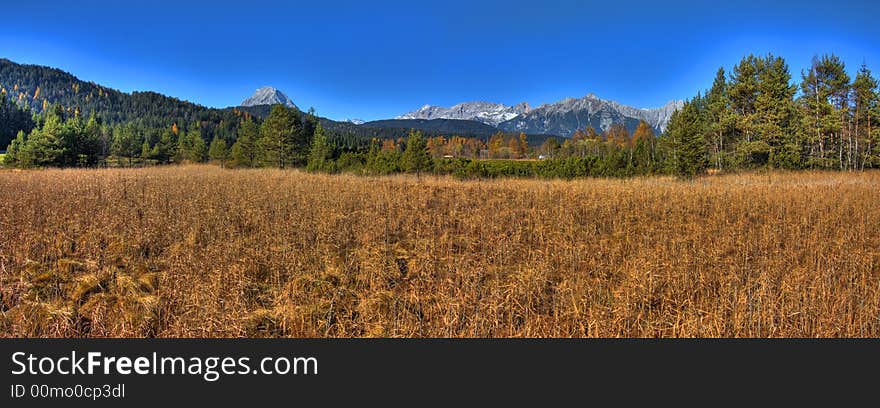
<point x="756" y="118"/>
<point x="63" y="139"/>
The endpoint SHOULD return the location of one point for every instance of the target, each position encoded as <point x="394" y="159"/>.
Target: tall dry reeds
<point x="203" y="252"/>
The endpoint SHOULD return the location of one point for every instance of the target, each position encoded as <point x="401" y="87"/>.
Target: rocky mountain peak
<point x="268" y="95"/>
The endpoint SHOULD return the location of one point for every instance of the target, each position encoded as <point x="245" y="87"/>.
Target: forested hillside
<point x="39" y="88"/>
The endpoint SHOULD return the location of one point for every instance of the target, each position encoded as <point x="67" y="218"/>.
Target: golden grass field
<point x="205" y="252"/>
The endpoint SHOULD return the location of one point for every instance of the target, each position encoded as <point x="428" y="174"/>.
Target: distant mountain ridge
<point x="486" y="112"/>
<point x="560" y="118"/>
<point x="268" y="95"/>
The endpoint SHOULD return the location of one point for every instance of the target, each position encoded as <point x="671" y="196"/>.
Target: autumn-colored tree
<point x="550" y="147"/>
<point x="514" y="148"/>
<point x="496" y="146"/>
<point x="643" y="132"/>
<point x="388" y="145"/>
<point x="455" y="146"/>
<point x="641" y="154"/>
<point x="617" y="135"/>
<point x="436" y="146"/>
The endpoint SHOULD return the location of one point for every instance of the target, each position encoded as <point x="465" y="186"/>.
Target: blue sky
<point x="374" y="59"/>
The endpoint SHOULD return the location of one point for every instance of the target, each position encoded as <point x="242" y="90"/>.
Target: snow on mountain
<point x="568" y="115"/>
<point x="559" y="118"/>
<point x="485" y="112"/>
<point x="268" y="95"/>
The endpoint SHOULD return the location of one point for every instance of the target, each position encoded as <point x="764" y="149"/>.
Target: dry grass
<point x="203" y="252"/>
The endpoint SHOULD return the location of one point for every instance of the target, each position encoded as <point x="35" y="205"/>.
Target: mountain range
<point x="560" y="118"/>
<point x="492" y="114"/>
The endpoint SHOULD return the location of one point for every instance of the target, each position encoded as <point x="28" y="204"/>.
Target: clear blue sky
<point x="374" y="59"/>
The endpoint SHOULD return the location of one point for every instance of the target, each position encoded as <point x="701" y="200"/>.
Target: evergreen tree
<point x="12" y="152"/>
<point x="244" y="151"/>
<point x="686" y="128"/>
<point x="191" y="146"/>
<point x="721" y="118"/>
<point x="166" y="149"/>
<point x="199" y="149"/>
<point x="218" y="152"/>
<point x="320" y="157"/>
<point x="743" y="94"/>
<point x="146" y="152"/>
<point x="90" y="144"/>
<point x="126" y="142"/>
<point x="777" y="113"/>
<point x="823" y="101"/>
<point x="280" y="137"/>
<point x="865" y="102"/>
<point x="415" y="158"/>
<point x="44" y="147"/>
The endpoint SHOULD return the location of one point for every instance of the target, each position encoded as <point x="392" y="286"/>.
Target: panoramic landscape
<point x="746" y="203"/>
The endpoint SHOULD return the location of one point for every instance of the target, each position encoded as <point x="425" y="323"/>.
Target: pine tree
<point x="166" y="149"/>
<point x="777" y="113"/>
<point x="244" y="150"/>
<point x="720" y="116"/>
<point x="126" y="142"/>
<point x="415" y="158"/>
<point x="865" y="101"/>
<point x="146" y="152"/>
<point x="44" y="146"/>
<point x="823" y="103"/>
<point x="199" y="149"/>
<point x="89" y="143"/>
<point x="321" y="152"/>
<point x="12" y="153"/>
<point x="687" y="128"/>
<point x="280" y="137"/>
<point x="743" y="93"/>
<point x="218" y="152"/>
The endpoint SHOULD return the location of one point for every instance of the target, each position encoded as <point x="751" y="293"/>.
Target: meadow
<point x="199" y="251"/>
